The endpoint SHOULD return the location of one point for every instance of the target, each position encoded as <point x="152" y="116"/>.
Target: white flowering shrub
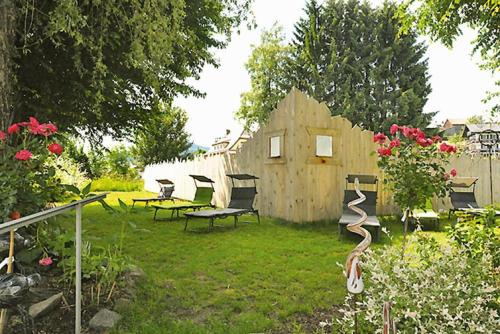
<point x="435" y="289"/>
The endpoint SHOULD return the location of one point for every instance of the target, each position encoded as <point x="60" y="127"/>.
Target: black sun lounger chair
<point x="202" y="198"/>
<point x="369" y="205"/>
<point x="165" y="194"/>
<point x="241" y="202"/>
<point x="462" y="195"/>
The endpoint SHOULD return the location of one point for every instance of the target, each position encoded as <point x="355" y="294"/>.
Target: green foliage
<point x="120" y="161"/>
<point x="116" y="184"/>
<point x="102" y="67"/>
<point x="164" y="138"/>
<point x="477" y="234"/>
<point x="444" y="20"/>
<point x="348" y="55"/>
<point x="476" y="119"/>
<point x="267" y="67"/>
<point x="436" y="288"/>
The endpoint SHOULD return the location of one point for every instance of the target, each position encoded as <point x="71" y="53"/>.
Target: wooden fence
<point x="299" y="186"/>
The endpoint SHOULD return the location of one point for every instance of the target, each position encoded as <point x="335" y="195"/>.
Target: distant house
<point x="452" y="127"/>
<point x="228" y="143"/>
<point x="478" y="135"/>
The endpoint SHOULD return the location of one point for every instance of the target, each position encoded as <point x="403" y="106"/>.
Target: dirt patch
<point x="62" y="319"/>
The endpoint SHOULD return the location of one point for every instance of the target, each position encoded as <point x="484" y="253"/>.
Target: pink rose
<point x="3" y="136"/>
<point x="394" y="129"/>
<point x="453" y="172"/>
<point x="23" y="155"/>
<point x="55" y="148"/>
<point x="46" y="261"/>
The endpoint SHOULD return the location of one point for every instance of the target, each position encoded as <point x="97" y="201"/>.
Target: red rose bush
<point x="27" y="179"/>
<point x="414" y="165"/>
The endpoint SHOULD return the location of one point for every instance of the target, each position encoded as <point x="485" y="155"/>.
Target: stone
<point x="133" y="274"/>
<point x="104" y="320"/>
<point x="45" y="306"/>
<point x="121" y="304"/>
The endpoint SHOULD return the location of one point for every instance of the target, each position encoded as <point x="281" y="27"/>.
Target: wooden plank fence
<point x="298" y="186"/>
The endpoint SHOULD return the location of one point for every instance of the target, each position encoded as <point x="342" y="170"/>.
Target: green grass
<point x="107" y="183"/>
<point x="255" y="278"/>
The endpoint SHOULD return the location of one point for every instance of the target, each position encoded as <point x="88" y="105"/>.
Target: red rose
<point x="383" y="151"/>
<point x="34" y="126"/>
<point x="453" y="172"/>
<point x="14" y="128"/>
<point x="395" y="143"/>
<point x="380" y="138"/>
<point x="55" y="148"/>
<point x="406" y="131"/>
<point x="15" y="215"/>
<point x="436" y="139"/>
<point x="394" y="129"/>
<point x="422" y="142"/>
<point x="23" y="155"/>
<point x="3" y="136"/>
<point x="447" y="148"/>
<point x="443" y="147"/>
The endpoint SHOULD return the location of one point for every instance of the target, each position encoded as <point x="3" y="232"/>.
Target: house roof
<point x="456" y="121"/>
<point x="477" y="128"/>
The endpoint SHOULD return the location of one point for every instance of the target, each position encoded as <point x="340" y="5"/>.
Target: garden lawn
<point x="255" y="278"/>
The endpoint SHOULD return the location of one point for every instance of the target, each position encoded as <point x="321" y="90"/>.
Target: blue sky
<point x="457" y="82"/>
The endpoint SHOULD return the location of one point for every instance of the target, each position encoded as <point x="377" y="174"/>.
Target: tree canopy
<point x="443" y="20"/>
<point x="348" y="55"/>
<point x="103" y="67"/>
<point x="163" y="138"/>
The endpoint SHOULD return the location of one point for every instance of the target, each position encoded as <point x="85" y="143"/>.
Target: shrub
<point x="434" y="289"/>
<point x="115" y="184"/>
<point x="477" y="234"/>
<point x="26" y="180"/>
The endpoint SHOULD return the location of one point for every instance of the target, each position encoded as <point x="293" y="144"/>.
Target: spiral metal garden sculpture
<point x="355" y="283"/>
<point x="354" y="279"/>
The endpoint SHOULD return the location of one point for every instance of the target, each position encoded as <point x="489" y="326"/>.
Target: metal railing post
<point x="78" y="288"/>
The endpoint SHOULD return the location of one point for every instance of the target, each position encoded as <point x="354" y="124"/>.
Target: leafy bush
<point x="434" y="289"/>
<point x="28" y="183"/>
<point x="477" y="234"/>
<point x="69" y="172"/>
<point x="116" y="184"/>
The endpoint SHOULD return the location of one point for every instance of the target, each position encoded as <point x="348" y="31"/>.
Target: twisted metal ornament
<point x="355" y="283"/>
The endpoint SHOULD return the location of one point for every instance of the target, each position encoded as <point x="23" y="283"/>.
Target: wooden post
<point x="10" y="265"/>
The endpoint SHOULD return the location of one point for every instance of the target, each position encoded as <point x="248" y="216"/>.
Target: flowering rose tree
<point x="26" y="180"/>
<point x="414" y="166"/>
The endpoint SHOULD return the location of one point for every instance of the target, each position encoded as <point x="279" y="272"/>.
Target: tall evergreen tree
<point x="349" y="55"/>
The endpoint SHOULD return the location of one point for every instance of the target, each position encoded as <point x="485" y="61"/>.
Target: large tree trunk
<point x="7" y="20"/>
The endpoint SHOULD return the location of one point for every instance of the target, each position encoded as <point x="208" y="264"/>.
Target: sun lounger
<point x="462" y="194"/>
<point x="369" y="205"/>
<point x="463" y="198"/>
<point x="202" y="198"/>
<point x="241" y="202"/>
<point x="165" y="194"/>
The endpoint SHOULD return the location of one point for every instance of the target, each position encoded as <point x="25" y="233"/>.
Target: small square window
<point x="324" y="146"/>
<point x="274" y="147"/>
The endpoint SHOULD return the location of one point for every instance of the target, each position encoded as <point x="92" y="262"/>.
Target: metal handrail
<point x="43" y="215"/>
